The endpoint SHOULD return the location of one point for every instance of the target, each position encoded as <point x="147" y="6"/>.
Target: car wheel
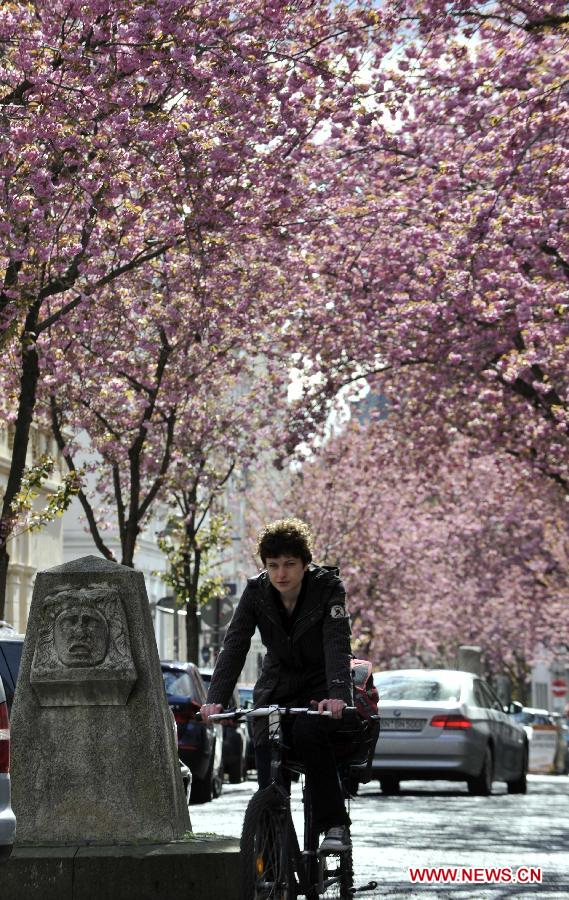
<point x="217" y="784"/>
<point x="235" y="773"/>
<point x="238" y="772"/>
<point x="481" y="785"/>
<point x="389" y="785"/>
<point x="520" y="785"/>
<point x="203" y="788"/>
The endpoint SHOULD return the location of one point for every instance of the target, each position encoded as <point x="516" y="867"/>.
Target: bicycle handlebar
<point x="263" y="711"/>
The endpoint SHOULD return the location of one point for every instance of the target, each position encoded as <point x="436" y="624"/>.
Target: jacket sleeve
<point x="236" y="645"/>
<point x="337" y="649"/>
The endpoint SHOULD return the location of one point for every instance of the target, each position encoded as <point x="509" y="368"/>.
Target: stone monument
<point x="94" y="755"/>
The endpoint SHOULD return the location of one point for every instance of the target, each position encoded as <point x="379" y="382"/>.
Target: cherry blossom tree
<point x="472" y="550"/>
<point x="156" y="395"/>
<point x="444" y="262"/>
<point x="130" y="131"/>
<point x="171" y="406"/>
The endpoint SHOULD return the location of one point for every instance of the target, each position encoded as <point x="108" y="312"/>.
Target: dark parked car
<point x="235" y="739"/>
<point x="7" y="817"/>
<point x="199" y="745"/>
<point x="445" y="724"/>
<point x="11" y="646"/>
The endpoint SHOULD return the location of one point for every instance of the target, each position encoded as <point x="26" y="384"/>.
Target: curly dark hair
<point x="285" y="536"/>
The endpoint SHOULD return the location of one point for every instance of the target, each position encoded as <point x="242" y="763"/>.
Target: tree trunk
<point x="4" y="560"/>
<point x="128" y="540"/>
<point x="131" y="528"/>
<point x="56" y="427"/>
<point x="192" y="636"/>
<point x="191" y="579"/>
<point x="27" y="401"/>
<point x="522" y="688"/>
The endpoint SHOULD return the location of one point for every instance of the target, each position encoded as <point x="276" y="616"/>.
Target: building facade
<point x="30" y="552"/>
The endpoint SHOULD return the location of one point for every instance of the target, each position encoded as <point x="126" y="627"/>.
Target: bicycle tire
<point x="266" y="869"/>
<point x="340" y="866"/>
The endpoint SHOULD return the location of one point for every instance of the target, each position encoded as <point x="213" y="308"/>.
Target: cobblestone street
<point x="439" y="824"/>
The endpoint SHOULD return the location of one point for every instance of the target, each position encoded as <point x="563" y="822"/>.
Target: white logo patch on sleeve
<point x="338" y="611"/>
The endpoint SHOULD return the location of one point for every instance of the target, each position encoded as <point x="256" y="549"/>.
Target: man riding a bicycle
<point x="300" y="610"/>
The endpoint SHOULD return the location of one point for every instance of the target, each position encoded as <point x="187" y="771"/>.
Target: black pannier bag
<point x="355" y="743"/>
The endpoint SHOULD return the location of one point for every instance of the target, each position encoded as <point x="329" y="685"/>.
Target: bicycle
<point x="272" y="865"/>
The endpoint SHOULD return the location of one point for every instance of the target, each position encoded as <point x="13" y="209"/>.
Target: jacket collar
<point x="318" y="579"/>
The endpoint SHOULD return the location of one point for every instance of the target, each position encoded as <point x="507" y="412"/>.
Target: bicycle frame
<point x="305" y="863"/>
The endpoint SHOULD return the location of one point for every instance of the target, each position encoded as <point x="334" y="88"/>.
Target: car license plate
<point x="401" y="724"/>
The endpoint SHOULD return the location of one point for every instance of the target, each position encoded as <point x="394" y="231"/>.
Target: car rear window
<point x="422" y="686"/>
<point x="179" y="684"/>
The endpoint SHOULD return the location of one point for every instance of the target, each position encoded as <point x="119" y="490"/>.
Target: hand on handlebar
<point x="331" y="704"/>
<point x="210" y="709"/>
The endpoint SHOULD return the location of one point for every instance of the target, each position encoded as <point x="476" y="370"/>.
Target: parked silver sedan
<point x="446" y="724"/>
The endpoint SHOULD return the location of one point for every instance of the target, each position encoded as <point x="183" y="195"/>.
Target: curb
<point x="204" y="868"/>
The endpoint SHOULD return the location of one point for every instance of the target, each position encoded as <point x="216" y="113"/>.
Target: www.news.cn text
<point x="475" y="874"/>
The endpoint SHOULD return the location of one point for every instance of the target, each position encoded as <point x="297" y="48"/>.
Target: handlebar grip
<point x="226" y="714"/>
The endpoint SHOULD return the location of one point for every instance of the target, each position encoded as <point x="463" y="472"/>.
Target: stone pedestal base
<point x="204" y="868"/>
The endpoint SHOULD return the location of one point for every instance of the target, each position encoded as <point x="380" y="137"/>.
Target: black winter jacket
<point x="311" y="663"/>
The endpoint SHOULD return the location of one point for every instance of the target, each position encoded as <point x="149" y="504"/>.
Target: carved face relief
<point x="83" y="655"/>
<point x="81" y="636"/>
<point x="83" y="628"/>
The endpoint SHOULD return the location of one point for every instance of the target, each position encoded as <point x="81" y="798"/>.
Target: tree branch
<point x="81" y="496"/>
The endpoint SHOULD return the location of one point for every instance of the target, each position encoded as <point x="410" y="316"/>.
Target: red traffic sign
<point x="558" y="687"/>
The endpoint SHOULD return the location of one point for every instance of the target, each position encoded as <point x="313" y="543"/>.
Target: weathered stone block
<point x="32" y="873"/>
<point x="202" y="869"/>
<point x="94" y="752"/>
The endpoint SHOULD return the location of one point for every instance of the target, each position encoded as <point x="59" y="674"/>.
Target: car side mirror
<point x="514" y="707"/>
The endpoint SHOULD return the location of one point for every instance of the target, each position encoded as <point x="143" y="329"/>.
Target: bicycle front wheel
<point x="266" y="868"/>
